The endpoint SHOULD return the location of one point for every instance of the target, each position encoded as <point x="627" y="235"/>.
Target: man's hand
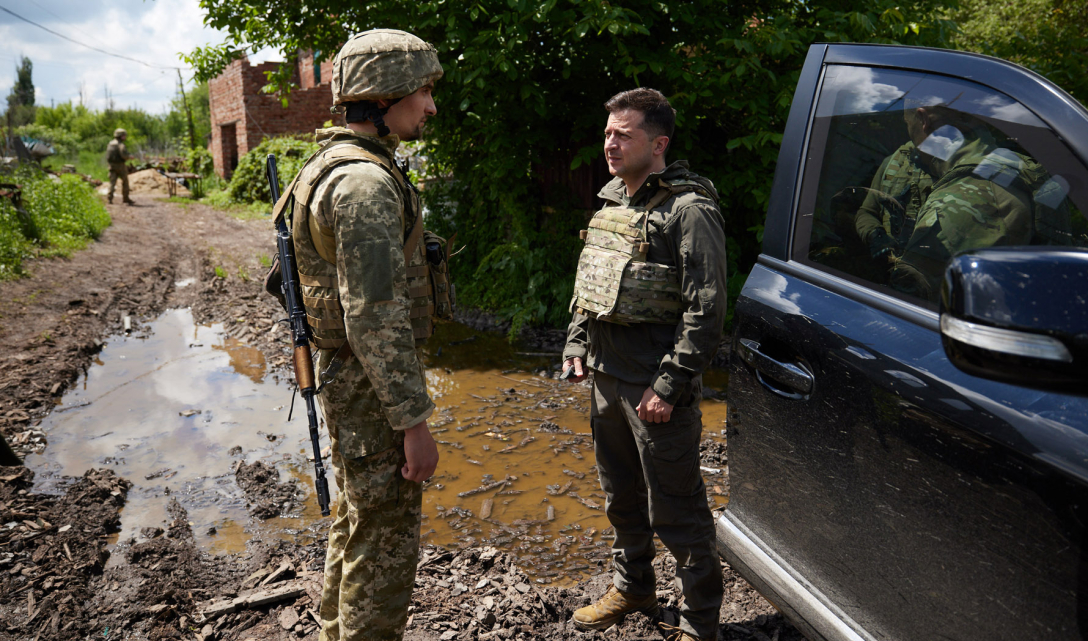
<point x="421" y="452"/>
<point x="652" y="409"/>
<point x="579" y="374"/>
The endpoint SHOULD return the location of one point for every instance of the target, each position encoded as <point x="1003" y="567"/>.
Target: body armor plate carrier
<point x="615" y="283"/>
<point x="428" y="276"/>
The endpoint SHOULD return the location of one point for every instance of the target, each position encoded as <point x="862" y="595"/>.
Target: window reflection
<point x="916" y="168"/>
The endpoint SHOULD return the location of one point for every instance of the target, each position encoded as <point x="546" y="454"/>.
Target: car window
<point x="906" y="169"/>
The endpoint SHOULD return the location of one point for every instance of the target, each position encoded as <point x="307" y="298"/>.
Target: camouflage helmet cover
<point x="382" y="64"/>
<point x="117" y="133"/>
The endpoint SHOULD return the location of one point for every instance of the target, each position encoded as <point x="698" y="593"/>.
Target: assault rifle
<point x="300" y="333"/>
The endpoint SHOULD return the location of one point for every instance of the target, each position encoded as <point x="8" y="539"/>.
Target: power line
<point x="64" y="37"/>
<point x="50" y="12"/>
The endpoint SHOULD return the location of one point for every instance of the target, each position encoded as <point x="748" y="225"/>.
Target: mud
<point x="266" y="497"/>
<point x="160" y="582"/>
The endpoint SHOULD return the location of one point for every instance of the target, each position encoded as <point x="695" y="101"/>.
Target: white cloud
<point x="860" y="92"/>
<point x="153" y="32"/>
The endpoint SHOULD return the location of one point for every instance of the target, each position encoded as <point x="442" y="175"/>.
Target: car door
<point x="878" y="491"/>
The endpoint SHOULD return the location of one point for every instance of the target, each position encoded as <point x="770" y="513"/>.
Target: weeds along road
<point x="57" y="577"/>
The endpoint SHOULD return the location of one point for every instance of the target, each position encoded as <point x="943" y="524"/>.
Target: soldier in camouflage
<point x="948" y="189"/>
<point x="369" y="293"/>
<point x="116" y="157"/>
<point x="649" y="306"/>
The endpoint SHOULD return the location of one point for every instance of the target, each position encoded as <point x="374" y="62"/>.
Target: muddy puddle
<point x="176" y="407"/>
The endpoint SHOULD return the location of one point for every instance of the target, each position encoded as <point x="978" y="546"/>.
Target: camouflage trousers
<point x="119" y="171"/>
<point x="370" y="565"/>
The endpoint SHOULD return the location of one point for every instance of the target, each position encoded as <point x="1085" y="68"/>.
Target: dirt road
<point x="56" y="577"/>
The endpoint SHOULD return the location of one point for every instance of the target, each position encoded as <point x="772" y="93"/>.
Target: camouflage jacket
<point x="981" y="196"/>
<point x="116" y="154"/>
<point x="686" y="231"/>
<point x="364" y="206"/>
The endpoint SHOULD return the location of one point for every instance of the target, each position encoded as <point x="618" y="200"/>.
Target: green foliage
<point x="21" y="99"/>
<point x="64" y="214"/>
<point x="249" y="183"/>
<point x="519" y="110"/>
<point x="1049" y="37"/>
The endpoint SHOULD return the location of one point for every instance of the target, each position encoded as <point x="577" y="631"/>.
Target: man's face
<point x="406" y="118"/>
<point x="628" y="148"/>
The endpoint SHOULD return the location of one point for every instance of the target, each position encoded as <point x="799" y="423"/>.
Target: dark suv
<point x="908" y="431"/>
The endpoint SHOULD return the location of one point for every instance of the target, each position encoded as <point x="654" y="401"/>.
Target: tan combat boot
<point x="611" y="608"/>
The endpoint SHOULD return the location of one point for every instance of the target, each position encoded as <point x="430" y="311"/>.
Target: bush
<point x="199" y="161"/>
<point x="249" y="184"/>
<point x="64" y="213"/>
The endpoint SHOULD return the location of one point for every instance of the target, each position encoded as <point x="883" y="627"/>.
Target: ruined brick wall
<point x="306" y="74"/>
<point x="242" y="116"/>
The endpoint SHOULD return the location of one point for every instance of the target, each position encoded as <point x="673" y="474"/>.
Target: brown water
<point x="164" y="410"/>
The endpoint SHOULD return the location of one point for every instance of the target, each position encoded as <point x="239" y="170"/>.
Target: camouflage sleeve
<point x="870" y="215"/>
<point x="577" y="337"/>
<point x="698" y="243"/>
<point x="374" y="291"/>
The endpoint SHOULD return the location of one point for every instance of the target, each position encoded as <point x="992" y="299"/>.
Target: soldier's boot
<point x="612" y="607"/>
<point x="673" y="633"/>
<point x="129" y="201"/>
<point x="109" y="199"/>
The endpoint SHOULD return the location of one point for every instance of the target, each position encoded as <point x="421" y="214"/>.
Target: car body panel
<point x="899" y="498"/>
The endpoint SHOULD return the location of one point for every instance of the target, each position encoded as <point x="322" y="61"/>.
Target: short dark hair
<point x="658" y="116"/>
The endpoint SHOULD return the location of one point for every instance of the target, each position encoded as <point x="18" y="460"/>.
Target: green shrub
<point x="64" y="213"/>
<point x="199" y="161"/>
<point x="249" y="184"/>
<point x="14" y="246"/>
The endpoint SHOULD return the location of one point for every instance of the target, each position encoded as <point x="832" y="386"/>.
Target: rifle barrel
<point x="300" y="335"/>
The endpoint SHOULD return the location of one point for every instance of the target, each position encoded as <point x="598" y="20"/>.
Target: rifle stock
<point x="300" y="334"/>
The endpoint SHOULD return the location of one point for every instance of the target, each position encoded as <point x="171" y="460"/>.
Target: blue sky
<point x="153" y="31"/>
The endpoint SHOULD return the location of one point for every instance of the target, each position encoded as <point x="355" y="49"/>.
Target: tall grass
<point x="61" y="215"/>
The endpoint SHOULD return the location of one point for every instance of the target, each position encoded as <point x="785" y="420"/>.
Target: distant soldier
<point x="649" y="306"/>
<point x="117" y="156"/>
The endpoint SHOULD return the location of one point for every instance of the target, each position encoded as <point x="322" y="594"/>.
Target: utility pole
<point x="188" y="112"/>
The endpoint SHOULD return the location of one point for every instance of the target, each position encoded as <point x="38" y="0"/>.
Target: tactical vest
<point x="315" y="251"/>
<point x="615" y="283"/>
<point x="113" y="152"/>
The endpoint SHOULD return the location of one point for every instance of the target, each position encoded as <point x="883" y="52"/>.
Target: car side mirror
<point x="1019" y="315"/>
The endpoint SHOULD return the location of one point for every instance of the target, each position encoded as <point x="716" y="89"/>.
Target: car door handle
<point x="796" y="378"/>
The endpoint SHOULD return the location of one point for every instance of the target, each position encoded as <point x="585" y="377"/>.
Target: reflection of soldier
<point x="950" y="188"/>
<point x="369" y="293"/>
<point x="649" y="305"/>
<point x="117" y="156"/>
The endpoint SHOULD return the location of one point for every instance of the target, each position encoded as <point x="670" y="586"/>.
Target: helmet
<point x="118" y="133"/>
<point x="382" y="64"/>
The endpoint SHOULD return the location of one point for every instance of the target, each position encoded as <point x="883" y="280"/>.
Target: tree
<point x="1049" y="37"/>
<point x="21" y="98"/>
<point x="517" y="139"/>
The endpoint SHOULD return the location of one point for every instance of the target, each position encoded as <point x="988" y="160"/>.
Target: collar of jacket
<point x="387" y="145"/>
<point x="616" y="191"/>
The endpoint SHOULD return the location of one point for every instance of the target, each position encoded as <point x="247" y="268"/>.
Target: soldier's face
<point x="406" y="118"/>
<point x="628" y="148"/>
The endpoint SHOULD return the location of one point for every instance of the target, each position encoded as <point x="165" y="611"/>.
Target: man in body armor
<point x="371" y="297"/>
<point x="648" y="311"/>
<point x="116" y="157"/>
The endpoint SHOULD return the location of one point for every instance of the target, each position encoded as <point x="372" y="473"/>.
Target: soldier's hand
<point x="579" y="374"/>
<point x="421" y="452"/>
<point x="652" y="409"/>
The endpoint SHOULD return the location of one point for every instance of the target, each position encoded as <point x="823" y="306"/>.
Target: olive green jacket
<point x="686" y="231"/>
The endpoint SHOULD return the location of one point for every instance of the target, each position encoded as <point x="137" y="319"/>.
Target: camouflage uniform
<point x="930" y="209"/>
<point x="116" y="157"/>
<point x="366" y="283"/>
<point x="374" y="539"/>
<point x="650" y="472"/>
